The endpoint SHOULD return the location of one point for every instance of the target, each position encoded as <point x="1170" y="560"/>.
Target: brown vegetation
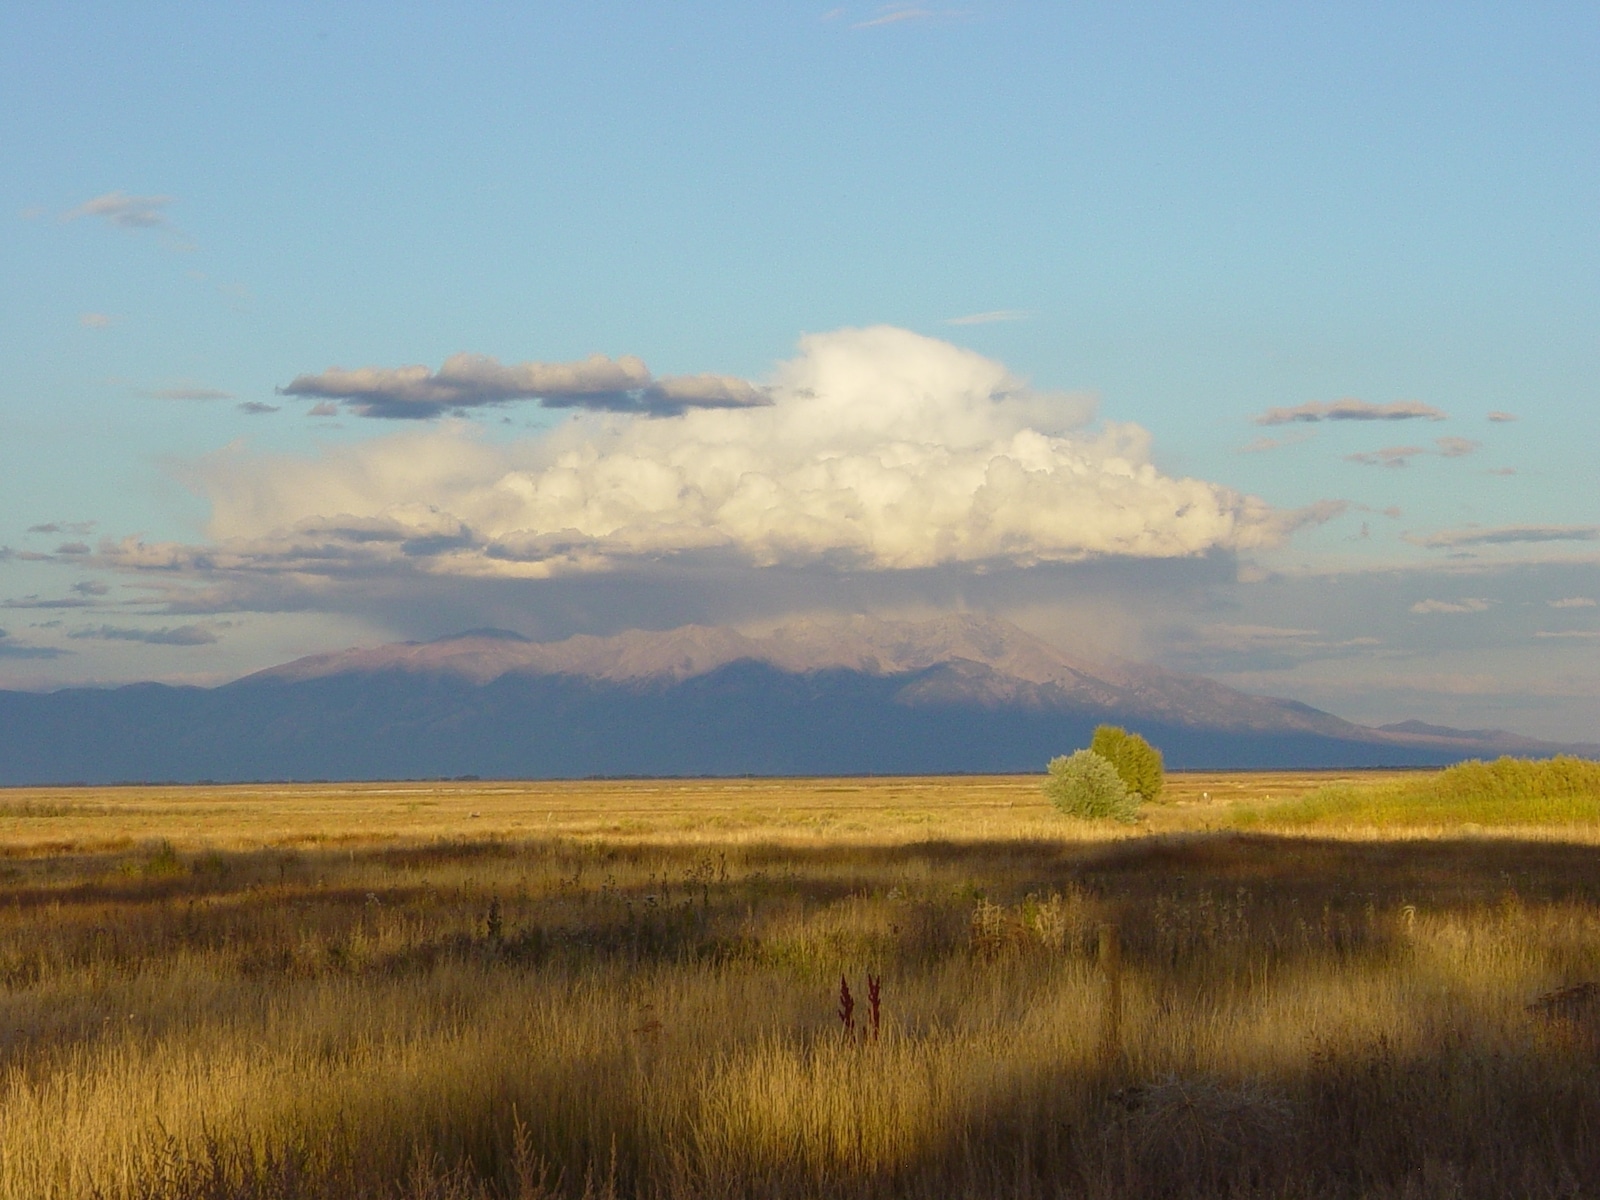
<point x="634" y="989"/>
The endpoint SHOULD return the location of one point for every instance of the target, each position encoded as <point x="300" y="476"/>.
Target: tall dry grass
<point x="624" y="1015"/>
<point x="1509" y="792"/>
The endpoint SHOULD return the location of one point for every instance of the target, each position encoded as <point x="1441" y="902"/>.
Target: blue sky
<point x="1188" y="215"/>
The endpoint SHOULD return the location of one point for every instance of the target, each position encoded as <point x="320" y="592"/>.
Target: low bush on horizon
<point x="1506" y="792"/>
<point x="1085" y="784"/>
<point x="1138" y="763"/>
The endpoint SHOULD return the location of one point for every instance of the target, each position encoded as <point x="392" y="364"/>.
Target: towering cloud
<point x="880" y="450"/>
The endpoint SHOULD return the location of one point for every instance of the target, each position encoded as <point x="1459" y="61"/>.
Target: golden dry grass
<point x="629" y="988"/>
<point x="247" y="816"/>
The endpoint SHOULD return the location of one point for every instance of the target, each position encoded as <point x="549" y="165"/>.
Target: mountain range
<point x="952" y="694"/>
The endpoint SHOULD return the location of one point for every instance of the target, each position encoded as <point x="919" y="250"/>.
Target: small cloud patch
<point x="187" y="393"/>
<point x="1264" y="443"/>
<point x="1389" y="456"/>
<point x="991" y="317"/>
<point x="1573" y="602"/>
<point x="1469" y="605"/>
<point x="124" y="211"/>
<point x="893" y="15"/>
<point x="1350" y="410"/>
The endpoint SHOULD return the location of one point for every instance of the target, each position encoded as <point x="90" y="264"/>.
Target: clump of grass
<point x="1509" y="791"/>
<point x="162" y="862"/>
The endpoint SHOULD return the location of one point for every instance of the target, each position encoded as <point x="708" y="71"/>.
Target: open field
<point x="632" y="988"/>
<point x="250" y="816"/>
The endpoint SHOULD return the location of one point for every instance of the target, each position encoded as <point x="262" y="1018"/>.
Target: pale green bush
<point x="1085" y="784"/>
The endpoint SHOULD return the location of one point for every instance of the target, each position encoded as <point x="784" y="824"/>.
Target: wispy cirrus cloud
<point x="1506" y="535"/>
<point x="1401" y="456"/>
<point x="1263" y="444"/>
<point x="124" y="211"/>
<point x="34" y="602"/>
<point x="186" y="393"/>
<point x="1469" y="605"/>
<point x="181" y="635"/>
<point x="1350" y="410"/>
<point x="1389" y="456"/>
<point x="1573" y="602"/>
<point x="1242" y="647"/>
<point x="95" y="320"/>
<point x="1502" y="417"/>
<point x="80" y="528"/>
<point x="894" y="14"/>
<point x="991" y="317"/>
<point x="1456" y="447"/>
<point x="467" y="381"/>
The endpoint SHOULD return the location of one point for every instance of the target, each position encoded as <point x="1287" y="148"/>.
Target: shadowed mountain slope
<point x="958" y="693"/>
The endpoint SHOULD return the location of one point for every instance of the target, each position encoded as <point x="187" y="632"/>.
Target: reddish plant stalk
<point x="847" y="1007"/>
<point x="874" y="992"/>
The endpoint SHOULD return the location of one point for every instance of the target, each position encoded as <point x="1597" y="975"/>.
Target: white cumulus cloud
<point x="881" y="450"/>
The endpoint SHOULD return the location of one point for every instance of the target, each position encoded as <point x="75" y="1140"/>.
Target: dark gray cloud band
<point x="473" y="381"/>
<point x="181" y="635"/>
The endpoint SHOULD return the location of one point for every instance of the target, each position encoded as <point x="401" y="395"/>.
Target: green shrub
<point x="1509" y="791"/>
<point x="1085" y="784"/>
<point x="1136" y="760"/>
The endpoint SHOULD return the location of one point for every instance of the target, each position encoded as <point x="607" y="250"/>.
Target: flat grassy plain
<point x="632" y="988"/>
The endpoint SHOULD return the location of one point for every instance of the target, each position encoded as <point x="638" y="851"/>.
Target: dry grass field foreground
<point x="1275" y="986"/>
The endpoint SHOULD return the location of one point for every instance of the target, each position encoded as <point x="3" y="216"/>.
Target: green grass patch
<point x="1508" y="791"/>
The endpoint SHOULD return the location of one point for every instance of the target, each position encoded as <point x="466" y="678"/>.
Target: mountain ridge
<point x="863" y="696"/>
<point x="878" y="646"/>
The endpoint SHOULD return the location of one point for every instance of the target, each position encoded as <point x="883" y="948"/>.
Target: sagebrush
<point x="1085" y="784"/>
